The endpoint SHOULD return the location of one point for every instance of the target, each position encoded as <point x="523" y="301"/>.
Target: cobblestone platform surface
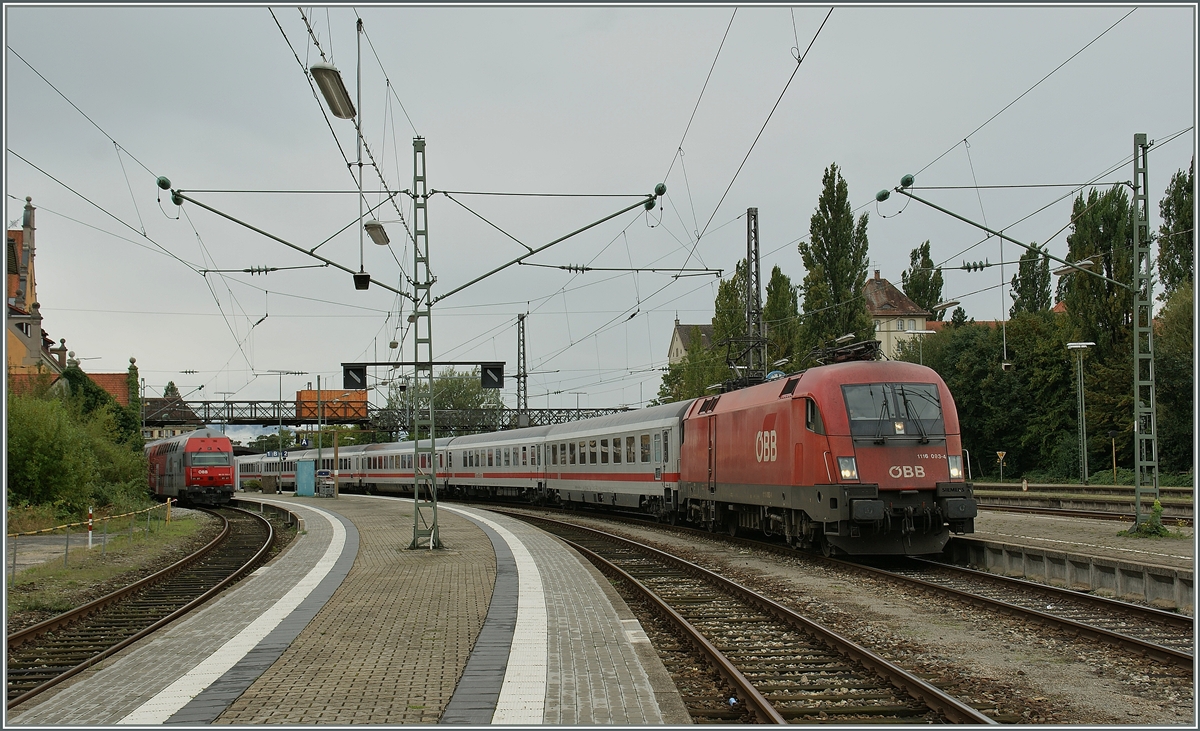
<point x="503" y="625"/>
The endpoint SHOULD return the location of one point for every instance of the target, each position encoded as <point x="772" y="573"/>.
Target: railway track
<point x="41" y="656"/>
<point x="781" y="666"/>
<point x="1164" y="636"/>
<point x="1127" y="516"/>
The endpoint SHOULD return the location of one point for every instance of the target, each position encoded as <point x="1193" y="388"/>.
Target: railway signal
<point x="492" y="375"/>
<point x="354" y="378"/>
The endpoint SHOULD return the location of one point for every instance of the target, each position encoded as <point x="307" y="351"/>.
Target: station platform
<point x="503" y="625"/>
<point x="1084" y="554"/>
<point x="1088" y="536"/>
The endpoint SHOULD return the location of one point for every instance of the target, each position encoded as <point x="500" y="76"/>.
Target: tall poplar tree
<point x="1176" y="236"/>
<point x="922" y="282"/>
<point x="836" y="262"/>
<point x="781" y="316"/>
<point x="1031" y="284"/>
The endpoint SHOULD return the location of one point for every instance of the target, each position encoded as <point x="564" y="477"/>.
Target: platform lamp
<point x="329" y="81"/>
<point x="1083" y="465"/>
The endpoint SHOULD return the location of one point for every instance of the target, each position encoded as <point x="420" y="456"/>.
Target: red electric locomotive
<point x="196" y="467"/>
<point x="860" y="457"/>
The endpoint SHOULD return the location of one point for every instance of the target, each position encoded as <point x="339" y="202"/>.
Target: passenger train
<point x="860" y="457"/>
<point x="196" y="468"/>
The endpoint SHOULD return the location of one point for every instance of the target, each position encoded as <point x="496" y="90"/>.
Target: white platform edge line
<point x="177" y="695"/>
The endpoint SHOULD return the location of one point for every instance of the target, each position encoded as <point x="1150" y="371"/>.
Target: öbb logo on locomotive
<point x="765" y="446"/>
<point x="859" y="457"/>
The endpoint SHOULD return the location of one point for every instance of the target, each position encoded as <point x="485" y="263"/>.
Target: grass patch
<point x="1154" y="528"/>
<point x="54" y="588"/>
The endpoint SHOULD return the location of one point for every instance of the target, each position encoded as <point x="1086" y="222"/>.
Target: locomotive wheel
<point x="827" y="548"/>
<point x="671" y="517"/>
<point x="732" y="526"/>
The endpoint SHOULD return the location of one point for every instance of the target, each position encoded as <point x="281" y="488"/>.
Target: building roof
<point x="685" y="334"/>
<point x="884" y="300"/>
<point x="172" y="410"/>
<point x="116" y="384"/>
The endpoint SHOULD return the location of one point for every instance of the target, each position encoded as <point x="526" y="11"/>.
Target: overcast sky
<point x="541" y="100"/>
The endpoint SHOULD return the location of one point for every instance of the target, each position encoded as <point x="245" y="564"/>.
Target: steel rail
<point x="1150" y="649"/>
<point x="936" y="699"/>
<point x="53" y="623"/>
<point x="1181" y="621"/>
<point x="762" y="708"/>
<point x="1187" y="520"/>
<point x="199" y="600"/>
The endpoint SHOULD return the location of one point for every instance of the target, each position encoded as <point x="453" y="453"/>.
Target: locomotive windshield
<point x="889" y="410"/>
<point x="209" y="459"/>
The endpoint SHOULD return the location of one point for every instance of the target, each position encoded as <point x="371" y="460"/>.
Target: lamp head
<point x="362" y="280"/>
<point x="329" y="81"/>
<point x="375" y="230"/>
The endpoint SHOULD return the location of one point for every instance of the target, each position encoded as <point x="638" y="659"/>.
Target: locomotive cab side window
<point x="812" y="417"/>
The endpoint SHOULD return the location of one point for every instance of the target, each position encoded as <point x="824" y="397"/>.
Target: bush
<point x="50" y="460"/>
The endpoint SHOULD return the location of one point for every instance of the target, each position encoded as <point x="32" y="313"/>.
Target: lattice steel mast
<point x="1145" y="431"/>
<point x="425" y="524"/>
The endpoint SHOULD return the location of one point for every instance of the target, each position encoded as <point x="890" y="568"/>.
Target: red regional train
<point x="196" y="467"/>
<point x="861" y="457"/>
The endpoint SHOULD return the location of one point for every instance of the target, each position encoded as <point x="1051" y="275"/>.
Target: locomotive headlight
<point x="955" y="462"/>
<point x="848" y="467"/>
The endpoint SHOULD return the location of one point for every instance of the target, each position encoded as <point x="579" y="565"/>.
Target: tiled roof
<point x="116" y="384"/>
<point x="685" y="335"/>
<point x="884" y="300"/>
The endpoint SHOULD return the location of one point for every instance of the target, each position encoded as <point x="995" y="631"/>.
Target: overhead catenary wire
<point x="1022" y="94"/>
<point x="799" y="63"/>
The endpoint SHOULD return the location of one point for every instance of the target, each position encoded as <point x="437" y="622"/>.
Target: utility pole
<point x="522" y="375"/>
<point x="756" y="361"/>
<point x="1145" y="431"/>
<point x="425" y="467"/>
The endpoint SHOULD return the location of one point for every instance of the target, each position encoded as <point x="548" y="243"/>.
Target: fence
<point x="66" y="529"/>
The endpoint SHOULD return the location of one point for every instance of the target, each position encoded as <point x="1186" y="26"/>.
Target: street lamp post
<point x="1112" y="434"/>
<point x="1083" y="465"/>
<point x="921" y="341"/>
<point x="279" y="408"/>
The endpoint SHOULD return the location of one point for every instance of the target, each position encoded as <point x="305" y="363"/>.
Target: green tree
<point x="781" y="317"/>
<point x="959" y="317"/>
<point x="49" y="456"/>
<point x="1031" y="283"/>
<point x="835" y="259"/>
<point x="1174" y="358"/>
<point x="171" y="391"/>
<point x="273" y="441"/>
<point x="1176" y="236"/>
<point x="452" y="389"/>
<point x="1099" y="311"/>
<point x="922" y="282"/>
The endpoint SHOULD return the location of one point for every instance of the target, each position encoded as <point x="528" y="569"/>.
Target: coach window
<point x="645" y="447"/>
<point x="666" y="446"/>
<point x="583" y="453"/>
<point x="524" y="457"/>
<point x="657" y="448"/>
<point x="592" y="452"/>
<point x="572" y="446"/>
<point x="538" y="451"/>
<point x="630" y="451"/>
<point x="553" y="454"/>
<point x="603" y="451"/>
<point x="490" y="458"/>
<point x="616" y="450"/>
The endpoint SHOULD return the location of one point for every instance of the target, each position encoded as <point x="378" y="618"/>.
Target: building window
<point x="901" y="325"/>
<point x="912" y="324"/>
<point x="877" y="324"/>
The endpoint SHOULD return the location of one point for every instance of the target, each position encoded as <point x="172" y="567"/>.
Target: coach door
<point x="712" y="454"/>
